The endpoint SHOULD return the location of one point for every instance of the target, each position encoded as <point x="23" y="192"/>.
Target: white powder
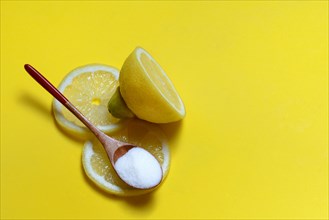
<point x="139" y="168"/>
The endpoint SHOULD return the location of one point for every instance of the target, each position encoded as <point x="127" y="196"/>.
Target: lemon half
<point x="99" y="169"/>
<point x="88" y="88"/>
<point x="148" y="91"/>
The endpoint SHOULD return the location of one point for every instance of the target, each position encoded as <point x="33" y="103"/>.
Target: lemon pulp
<point x="159" y="78"/>
<point x="88" y="88"/>
<point x="90" y="92"/>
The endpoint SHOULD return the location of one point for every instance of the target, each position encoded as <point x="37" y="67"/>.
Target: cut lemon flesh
<point x="148" y="91"/>
<point x="99" y="169"/>
<point x="159" y="79"/>
<point x="88" y="88"/>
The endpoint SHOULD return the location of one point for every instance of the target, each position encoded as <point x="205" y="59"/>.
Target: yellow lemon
<point x="148" y="91"/>
<point x="88" y="88"/>
<point x="99" y="169"/>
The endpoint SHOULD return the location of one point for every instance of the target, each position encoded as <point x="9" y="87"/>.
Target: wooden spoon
<point x="114" y="148"/>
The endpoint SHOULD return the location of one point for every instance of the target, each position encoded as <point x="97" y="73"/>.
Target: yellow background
<point x="253" y="77"/>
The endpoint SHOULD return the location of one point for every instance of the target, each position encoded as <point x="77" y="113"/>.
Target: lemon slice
<point x="88" y="88"/>
<point x="148" y="91"/>
<point x="99" y="169"/>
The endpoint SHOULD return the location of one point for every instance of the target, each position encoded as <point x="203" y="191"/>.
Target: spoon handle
<point x="60" y="97"/>
<point x="45" y="84"/>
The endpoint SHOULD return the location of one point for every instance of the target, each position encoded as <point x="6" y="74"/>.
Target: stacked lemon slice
<point x="88" y="88"/>
<point x="99" y="169"/>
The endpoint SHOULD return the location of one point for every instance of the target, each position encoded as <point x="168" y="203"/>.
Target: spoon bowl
<point x="115" y="149"/>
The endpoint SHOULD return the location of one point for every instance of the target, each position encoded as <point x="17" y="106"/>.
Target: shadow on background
<point x="31" y="101"/>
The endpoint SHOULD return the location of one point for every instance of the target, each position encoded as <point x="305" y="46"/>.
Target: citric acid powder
<point x="139" y="168"/>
